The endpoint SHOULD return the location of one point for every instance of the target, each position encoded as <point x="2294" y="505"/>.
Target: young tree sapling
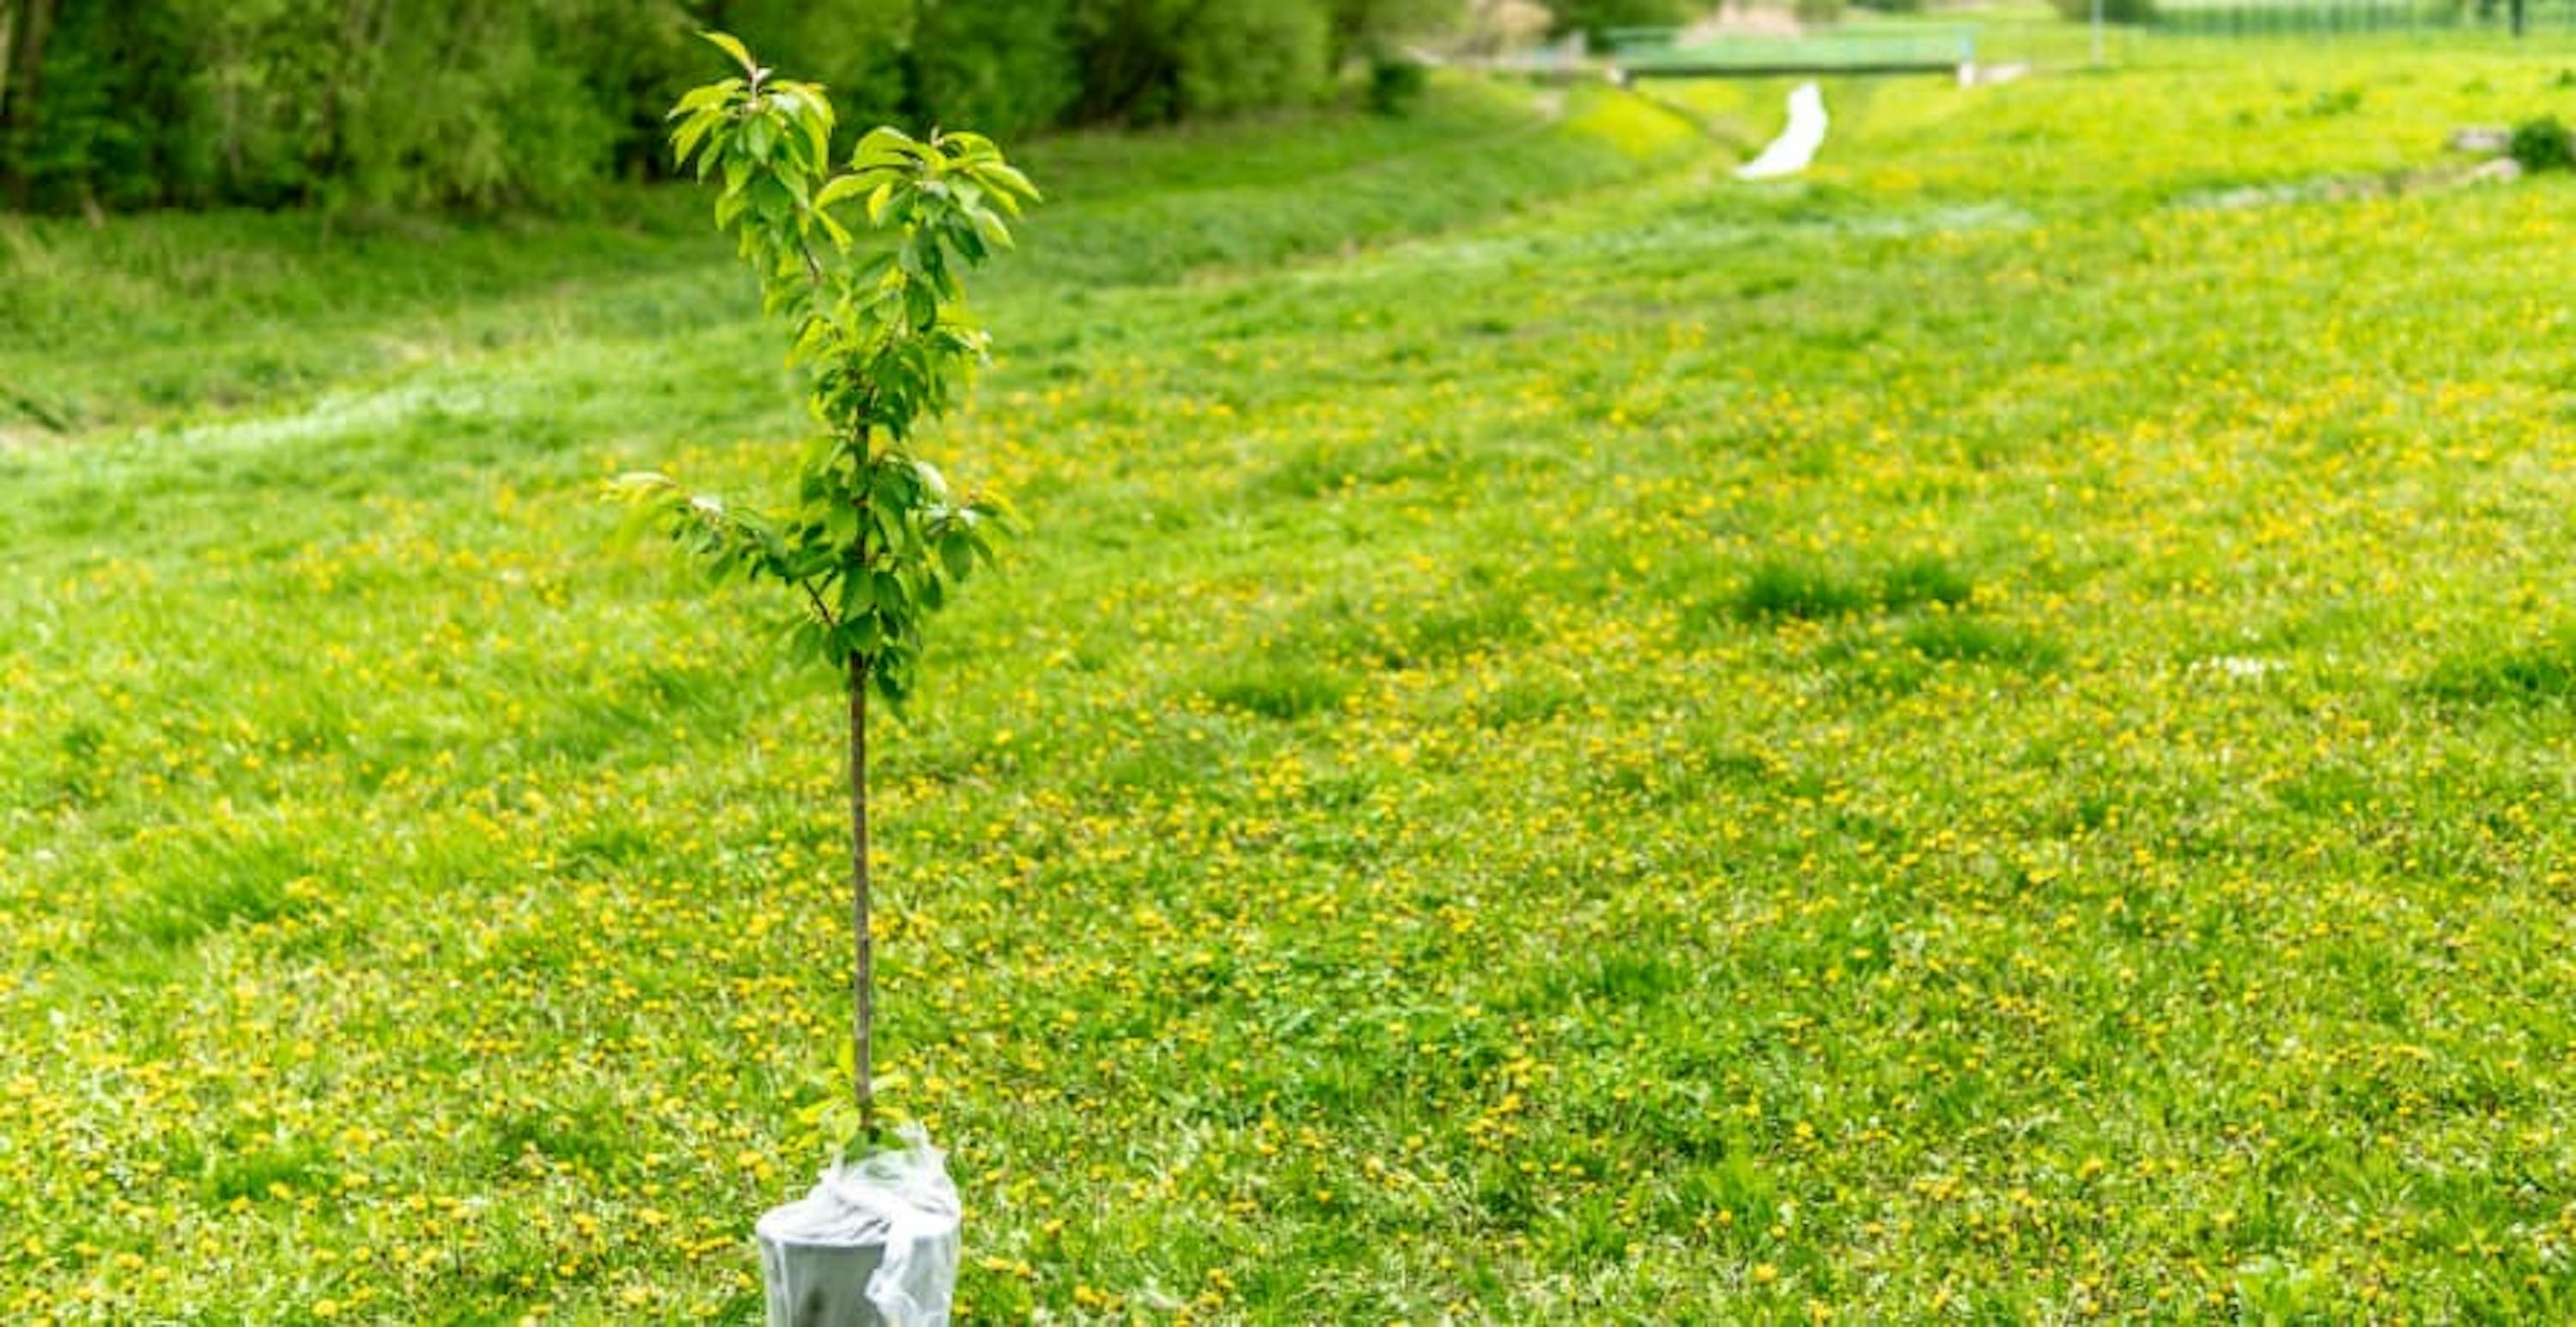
<point x="874" y="539"/>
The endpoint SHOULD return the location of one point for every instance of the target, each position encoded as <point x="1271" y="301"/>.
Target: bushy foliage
<point x="140" y="102"/>
<point x="134" y="103"/>
<point x="1594" y="18"/>
<point x="1395" y="83"/>
<point x="2113" y="11"/>
<point x="2541" y="144"/>
<point x="1369" y="29"/>
<point x="1148" y="61"/>
<point x="1001" y="65"/>
<point x="875" y="542"/>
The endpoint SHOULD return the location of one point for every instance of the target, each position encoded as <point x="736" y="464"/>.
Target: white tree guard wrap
<point x="874" y="1245"/>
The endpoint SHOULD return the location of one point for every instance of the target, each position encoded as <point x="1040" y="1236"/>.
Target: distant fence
<point x="2333" y="18"/>
<point x="1665" y="53"/>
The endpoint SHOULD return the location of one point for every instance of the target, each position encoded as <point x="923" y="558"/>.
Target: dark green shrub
<point x="415" y="104"/>
<point x="1003" y="66"/>
<point x="136" y="103"/>
<point x="1154" y="61"/>
<point x="2541" y="145"/>
<point x="1241" y="55"/>
<point x="1395" y="83"/>
<point x="1595" y="18"/>
<point x="2113" y="11"/>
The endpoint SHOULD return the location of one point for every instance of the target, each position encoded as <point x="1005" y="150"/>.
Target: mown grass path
<point x="1972" y="736"/>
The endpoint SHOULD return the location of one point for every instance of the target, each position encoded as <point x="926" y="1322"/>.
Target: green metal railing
<point x="1652" y="51"/>
<point x="2338" y="18"/>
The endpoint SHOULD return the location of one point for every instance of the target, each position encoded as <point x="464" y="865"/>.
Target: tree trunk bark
<point x="35" y="21"/>
<point x="863" y="952"/>
<point x="8" y="31"/>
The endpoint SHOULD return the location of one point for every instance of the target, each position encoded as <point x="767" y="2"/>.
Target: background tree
<point x="1155" y="61"/>
<point x="26" y="26"/>
<point x="2113" y="11"/>
<point x="1366" y="29"/>
<point x="1006" y="65"/>
<point x="1593" y="18"/>
<point x="483" y="104"/>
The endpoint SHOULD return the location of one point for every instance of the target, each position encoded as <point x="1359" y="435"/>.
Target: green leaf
<point x="886" y="145"/>
<point x="818" y="124"/>
<point x="1010" y="180"/>
<point x="732" y="46"/>
<point x="685" y="139"/>
<point x="706" y="96"/>
<point x="858" y="595"/>
<point x="840" y="234"/>
<point x="991" y="228"/>
<point x="839" y="188"/>
<point x="932" y="483"/>
<point x="636" y="484"/>
<point x="1003" y="199"/>
<point x="810" y="112"/>
<point x="771" y="200"/>
<point x="921" y="305"/>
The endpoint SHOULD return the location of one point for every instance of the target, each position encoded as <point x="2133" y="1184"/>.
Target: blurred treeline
<point x="117" y="104"/>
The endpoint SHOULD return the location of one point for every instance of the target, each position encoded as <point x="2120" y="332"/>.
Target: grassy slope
<point x="1958" y="734"/>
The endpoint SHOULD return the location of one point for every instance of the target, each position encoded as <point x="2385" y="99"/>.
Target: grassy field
<point x="1985" y="736"/>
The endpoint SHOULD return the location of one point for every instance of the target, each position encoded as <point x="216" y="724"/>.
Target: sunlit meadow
<point x="1982" y="736"/>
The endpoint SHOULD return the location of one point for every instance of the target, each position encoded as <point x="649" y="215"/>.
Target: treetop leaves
<point x="877" y="539"/>
<point x="733" y="46"/>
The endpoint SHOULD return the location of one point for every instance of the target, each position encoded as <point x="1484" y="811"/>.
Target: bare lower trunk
<point x="8" y="51"/>
<point x="863" y="955"/>
<point x="31" y="23"/>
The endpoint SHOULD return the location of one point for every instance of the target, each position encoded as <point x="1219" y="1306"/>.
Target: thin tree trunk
<point x="8" y="30"/>
<point x="34" y="19"/>
<point x="863" y="953"/>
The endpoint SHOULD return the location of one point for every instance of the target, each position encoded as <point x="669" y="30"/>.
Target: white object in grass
<point x="1796" y="146"/>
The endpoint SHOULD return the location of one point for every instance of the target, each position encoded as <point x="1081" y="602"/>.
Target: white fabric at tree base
<point x="1796" y="146"/>
<point x="876" y="1242"/>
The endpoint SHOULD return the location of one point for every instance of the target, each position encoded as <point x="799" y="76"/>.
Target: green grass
<point x="1975" y="736"/>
